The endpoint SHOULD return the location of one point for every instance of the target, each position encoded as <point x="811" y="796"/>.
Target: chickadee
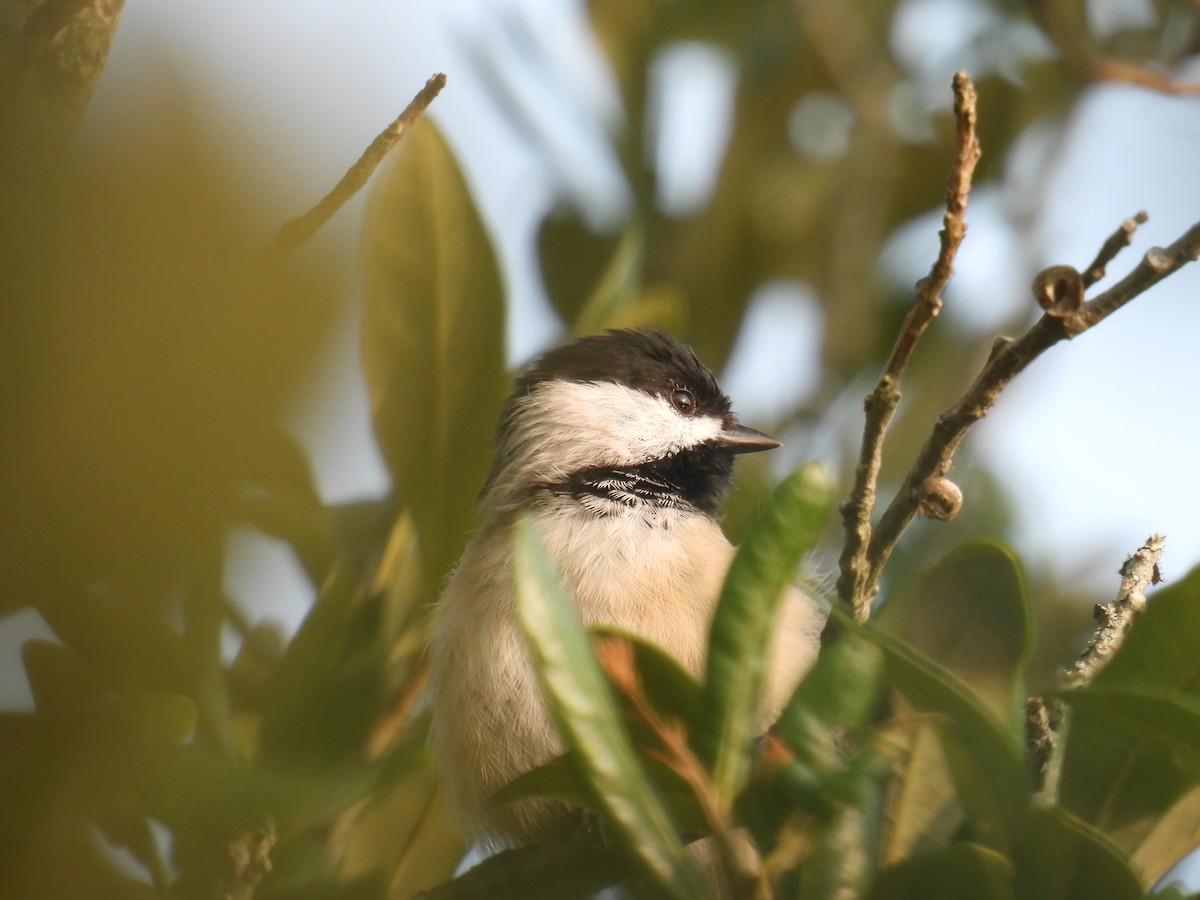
<point x="621" y="445"/>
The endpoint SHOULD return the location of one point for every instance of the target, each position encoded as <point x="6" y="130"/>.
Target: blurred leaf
<point x="985" y="758"/>
<point x="952" y="872"/>
<point x="558" y="779"/>
<point x="145" y="350"/>
<point x="574" y="259"/>
<point x="758" y="578"/>
<point x="1175" y="834"/>
<point x="923" y="808"/>
<point x="1060" y="858"/>
<point x="61" y="685"/>
<point x="403" y="828"/>
<point x="1168" y="718"/>
<point x="970" y="613"/>
<point x="617" y="288"/>
<point x="281" y="499"/>
<point x="669" y="687"/>
<point x="841" y="691"/>
<point x="433" y="340"/>
<point x="159" y="719"/>
<point x="328" y="685"/>
<point x="586" y="715"/>
<point x="840" y="865"/>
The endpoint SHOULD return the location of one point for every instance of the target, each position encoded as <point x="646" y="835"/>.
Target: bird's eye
<point x="684" y="401"/>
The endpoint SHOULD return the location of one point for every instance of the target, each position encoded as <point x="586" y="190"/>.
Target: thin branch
<point x="294" y="233"/>
<point x="1138" y="572"/>
<point x="853" y="585"/>
<point x="1008" y="358"/>
<point x="1047" y="719"/>
<point x="1117" y="241"/>
<point x="1110" y="68"/>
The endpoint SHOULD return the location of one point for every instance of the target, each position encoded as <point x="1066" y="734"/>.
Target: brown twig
<point x="1117" y="241"/>
<point x="294" y="233"/>
<point x="1008" y="358"/>
<point x="880" y="405"/>
<point x="1110" y="68"/>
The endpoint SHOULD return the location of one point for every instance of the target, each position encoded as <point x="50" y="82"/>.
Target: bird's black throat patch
<point x="695" y="480"/>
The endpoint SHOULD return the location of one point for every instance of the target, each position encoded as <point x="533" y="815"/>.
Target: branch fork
<point x="1059" y="290"/>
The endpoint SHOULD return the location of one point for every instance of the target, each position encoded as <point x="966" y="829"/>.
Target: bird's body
<point x="620" y="446"/>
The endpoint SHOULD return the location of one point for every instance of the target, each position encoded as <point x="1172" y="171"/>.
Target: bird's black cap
<point x="647" y="359"/>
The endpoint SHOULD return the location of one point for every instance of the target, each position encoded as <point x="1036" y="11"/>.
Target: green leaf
<point x="841" y="691"/>
<point x="327" y="688"/>
<point x="1058" y="857"/>
<point x="970" y="613"/>
<point x="952" y="872"/>
<point x="758" y="578"/>
<point x="670" y="688"/>
<point x="433" y="340"/>
<point x="1160" y="648"/>
<point x="840" y="865"/>
<point x="985" y="758"/>
<point x="586" y="714"/>
<point x="1167" y="718"/>
<point x="558" y="779"/>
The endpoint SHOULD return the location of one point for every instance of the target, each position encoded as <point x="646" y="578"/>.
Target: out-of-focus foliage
<point x="147" y="352"/>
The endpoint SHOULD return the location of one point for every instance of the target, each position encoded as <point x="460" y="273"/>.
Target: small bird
<point x="621" y="446"/>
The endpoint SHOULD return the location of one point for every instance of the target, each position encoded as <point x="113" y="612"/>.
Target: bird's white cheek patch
<point x="604" y="424"/>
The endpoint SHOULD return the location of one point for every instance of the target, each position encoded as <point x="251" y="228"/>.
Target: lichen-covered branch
<point x="1138" y="572"/>
<point x="1008" y="358"/>
<point x="853" y="585"/>
<point x="294" y="233"/>
<point x="1046" y="719"/>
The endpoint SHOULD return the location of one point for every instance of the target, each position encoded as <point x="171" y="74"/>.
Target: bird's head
<point x="624" y="408"/>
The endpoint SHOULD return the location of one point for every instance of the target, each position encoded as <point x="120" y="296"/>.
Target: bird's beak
<point x="740" y="439"/>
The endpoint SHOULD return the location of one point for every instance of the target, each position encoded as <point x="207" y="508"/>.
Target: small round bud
<point x="1059" y="290"/>
<point x="939" y="498"/>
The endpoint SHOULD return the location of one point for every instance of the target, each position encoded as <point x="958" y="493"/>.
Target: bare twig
<point x="1138" y="572"/>
<point x="1008" y="358"/>
<point x="1110" y="68"/>
<point x="1042" y="716"/>
<point x="1047" y="719"/>
<point x="1117" y="241"/>
<point x="294" y="233"/>
<point x="853" y="584"/>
